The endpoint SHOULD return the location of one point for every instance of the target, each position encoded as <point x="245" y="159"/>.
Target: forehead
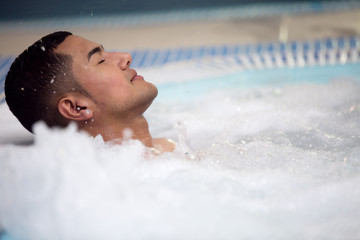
<point x="76" y="46"/>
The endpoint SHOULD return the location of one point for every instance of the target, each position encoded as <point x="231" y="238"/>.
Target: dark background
<point x="45" y="9"/>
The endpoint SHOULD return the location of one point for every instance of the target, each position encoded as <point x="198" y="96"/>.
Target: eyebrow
<point x="95" y="50"/>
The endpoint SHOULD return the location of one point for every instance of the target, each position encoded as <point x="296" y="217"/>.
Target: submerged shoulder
<point x="164" y="144"/>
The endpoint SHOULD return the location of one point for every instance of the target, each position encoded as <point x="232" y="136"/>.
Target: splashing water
<point x="268" y="162"/>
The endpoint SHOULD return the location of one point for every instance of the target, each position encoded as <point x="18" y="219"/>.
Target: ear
<point x="75" y="107"/>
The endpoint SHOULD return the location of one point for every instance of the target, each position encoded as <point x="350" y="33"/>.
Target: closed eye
<point x="101" y="61"/>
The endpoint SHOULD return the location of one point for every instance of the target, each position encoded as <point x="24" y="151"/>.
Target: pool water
<point x="197" y="85"/>
<point x="271" y="154"/>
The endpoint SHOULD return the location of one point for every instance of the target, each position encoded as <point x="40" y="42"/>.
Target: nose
<point x="125" y="60"/>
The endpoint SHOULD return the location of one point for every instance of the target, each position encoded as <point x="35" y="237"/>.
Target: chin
<point x="154" y="91"/>
<point x="149" y="96"/>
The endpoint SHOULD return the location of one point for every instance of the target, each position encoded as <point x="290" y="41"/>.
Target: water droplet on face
<point x="73" y="89"/>
<point x="127" y="133"/>
<point x="87" y="111"/>
<point x="43" y="48"/>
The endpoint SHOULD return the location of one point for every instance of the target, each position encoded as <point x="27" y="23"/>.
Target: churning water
<point x="254" y="161"/>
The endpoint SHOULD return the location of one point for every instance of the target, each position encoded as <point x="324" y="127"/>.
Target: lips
<point x="134" y="75"/>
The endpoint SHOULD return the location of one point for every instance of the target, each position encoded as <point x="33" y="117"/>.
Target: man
<point x="63" y="78"/>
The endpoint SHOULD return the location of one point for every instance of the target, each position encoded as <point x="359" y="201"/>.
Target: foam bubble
<point x="269" y="162"/>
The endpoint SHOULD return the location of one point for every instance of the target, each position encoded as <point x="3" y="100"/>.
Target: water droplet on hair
<point x="22" y="89"/>
<point x="52" y="81"/>
<point x="54" y="92"/>
<point x="64" y="74"/>
<point x="34" y="89"/>
<point x="43" y="48"/>
<point x="73" y="89"/>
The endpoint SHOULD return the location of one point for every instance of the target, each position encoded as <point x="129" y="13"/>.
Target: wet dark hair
<point x="36" y="81"/>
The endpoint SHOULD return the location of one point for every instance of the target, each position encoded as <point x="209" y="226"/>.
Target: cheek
<point x="105" y="86"/>
<point x="112" y="90"/>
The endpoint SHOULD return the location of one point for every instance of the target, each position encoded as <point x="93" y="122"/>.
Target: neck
<point x="110" y="130"/>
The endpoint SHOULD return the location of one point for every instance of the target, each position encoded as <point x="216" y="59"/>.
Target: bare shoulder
<point x="164" y="144"/>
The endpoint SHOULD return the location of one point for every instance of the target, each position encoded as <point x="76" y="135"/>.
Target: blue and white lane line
<point x="327" y="51"/>
<point x="5" y="63"/>
<point x="231" y="58"/>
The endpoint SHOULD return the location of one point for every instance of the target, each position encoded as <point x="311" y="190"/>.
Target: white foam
<point x="271" y="163"/>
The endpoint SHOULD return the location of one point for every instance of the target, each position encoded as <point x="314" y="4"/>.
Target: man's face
<point x="116" y="89"/>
